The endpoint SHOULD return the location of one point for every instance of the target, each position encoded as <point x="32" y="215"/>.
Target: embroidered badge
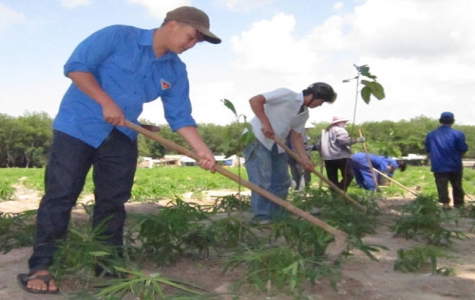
<point x="165" y="85"/>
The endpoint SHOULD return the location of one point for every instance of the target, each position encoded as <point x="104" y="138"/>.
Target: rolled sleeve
<point x="177" y="104"/>
<point x="91" y="52"/>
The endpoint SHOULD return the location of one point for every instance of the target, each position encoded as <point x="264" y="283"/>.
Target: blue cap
<point x="447" y="115"/>
<point x="446" y="118"/>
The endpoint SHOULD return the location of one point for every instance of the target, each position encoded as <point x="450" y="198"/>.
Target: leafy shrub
<point x="423" y="218"/>
<point x="6" y="191"/>
<point x="276" y="268"/>
<point x="419" y="259"/>
<point x="16" y="230"/>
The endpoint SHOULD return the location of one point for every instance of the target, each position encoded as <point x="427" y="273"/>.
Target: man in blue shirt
<point x="362" y="171"/>
<point x="446" y="147"/>
<point x="114" y="72"/>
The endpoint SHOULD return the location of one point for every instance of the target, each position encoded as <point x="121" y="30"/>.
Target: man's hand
<point x="113" y="114"/>
<point x="307" y="164"/>
<point x="268" y="131"/>
<point x="361" y="139"/>
<point x="207" y="161"/>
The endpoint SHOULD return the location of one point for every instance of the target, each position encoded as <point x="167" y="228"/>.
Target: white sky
<point x="422" y="51"/>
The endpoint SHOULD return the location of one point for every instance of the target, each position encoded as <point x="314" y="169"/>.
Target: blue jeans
<point x="70" y="160"/>
<point x="268" y="170"/>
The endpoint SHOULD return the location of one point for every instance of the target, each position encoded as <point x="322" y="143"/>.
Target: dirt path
<point x="362" y="279"/>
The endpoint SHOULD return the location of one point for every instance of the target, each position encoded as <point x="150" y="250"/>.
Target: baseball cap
<point x="196" y="18"/>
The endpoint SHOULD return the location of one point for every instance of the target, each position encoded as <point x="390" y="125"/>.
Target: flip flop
<point x="24" y="278"/>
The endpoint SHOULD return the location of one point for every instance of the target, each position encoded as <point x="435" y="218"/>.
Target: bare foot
<point x="40" y="285"/>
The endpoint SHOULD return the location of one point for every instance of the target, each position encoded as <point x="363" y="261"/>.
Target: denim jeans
<point x="442" y="180"/>
<point x="70" y="160"/>
<point x="268" y="170"/>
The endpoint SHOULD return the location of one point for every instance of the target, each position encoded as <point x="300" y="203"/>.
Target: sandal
<point x="24" y="278"/>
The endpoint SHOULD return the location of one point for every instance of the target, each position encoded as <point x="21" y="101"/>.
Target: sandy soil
<point x="362" y="278"/>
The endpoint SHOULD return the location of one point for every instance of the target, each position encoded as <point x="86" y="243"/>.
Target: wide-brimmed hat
<point x="336" y="120"/>
<point x="196" y="18"/>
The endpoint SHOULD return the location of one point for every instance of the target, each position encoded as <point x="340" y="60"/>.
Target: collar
<point x="146" y="37"/>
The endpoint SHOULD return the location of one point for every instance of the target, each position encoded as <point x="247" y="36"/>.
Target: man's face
<point x="183" y="37"/>
<point x="315" y="103"/>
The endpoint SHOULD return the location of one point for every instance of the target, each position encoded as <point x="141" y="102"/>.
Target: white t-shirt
<point x="282" y="108"/>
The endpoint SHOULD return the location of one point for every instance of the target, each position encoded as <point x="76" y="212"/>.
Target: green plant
<point x="163" y="237"/>
<point x="423" y="218"/>
<point x="6" y="190"/>
<point x="16" y="230"/>
<point x="419" y="259"/>
<point x="231" y="203"/>
<point x="371" y="86"/>
<point x="231" y="232"/>
<point x="84" y="252"/>
<point x="143" y="286"/>
<point x="275" y="268"/>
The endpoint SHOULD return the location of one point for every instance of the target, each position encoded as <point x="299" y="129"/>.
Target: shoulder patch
<point x="165" y="85"/>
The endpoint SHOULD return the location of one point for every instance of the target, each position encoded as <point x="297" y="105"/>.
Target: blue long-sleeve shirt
<point x="446" y="147"/>
<point x="362" y="171"/>
<point x="122" y="60"/>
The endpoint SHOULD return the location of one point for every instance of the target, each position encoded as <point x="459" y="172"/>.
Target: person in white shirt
<point x="277" y="114"/>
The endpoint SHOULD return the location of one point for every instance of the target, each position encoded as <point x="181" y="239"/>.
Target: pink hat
<point x="339" y="120"/>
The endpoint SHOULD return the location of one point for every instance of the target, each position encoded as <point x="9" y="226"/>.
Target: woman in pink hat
<point x="335" y="149"/>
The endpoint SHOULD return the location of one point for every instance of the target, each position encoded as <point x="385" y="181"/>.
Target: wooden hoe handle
<point x="327" y="181"/>
<point x="339" y="235"/>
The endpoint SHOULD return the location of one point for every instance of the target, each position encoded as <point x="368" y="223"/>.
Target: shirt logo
<point x="165" y="85"/>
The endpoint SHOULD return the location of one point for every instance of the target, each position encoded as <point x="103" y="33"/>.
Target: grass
<point x="149" y="184"/>
<point x="168" y="182"/>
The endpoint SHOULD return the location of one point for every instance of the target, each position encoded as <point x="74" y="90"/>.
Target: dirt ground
<point x="362" y="279"/>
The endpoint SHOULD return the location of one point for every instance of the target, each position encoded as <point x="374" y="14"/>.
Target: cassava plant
<point x="144" y="287"/>
<point x="16" y="230"/>
<point x="85" y="253"/>
<point x="421" y="259"/>
<point x="423" y="218"/>
<point x="272" y="269"/>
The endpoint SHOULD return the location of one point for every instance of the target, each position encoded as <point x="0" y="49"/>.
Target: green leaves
<point x="371" y="87"/>
<point x="246" y="137"/>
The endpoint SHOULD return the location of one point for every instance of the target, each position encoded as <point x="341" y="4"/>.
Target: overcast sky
<point x="422" y="52"/>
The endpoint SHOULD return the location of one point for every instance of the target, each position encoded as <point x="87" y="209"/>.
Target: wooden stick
<point x="333" y="250"/>
<point x="375" y="179"/>
<point x="326" y="180"/>
<point x="387" y="177"/>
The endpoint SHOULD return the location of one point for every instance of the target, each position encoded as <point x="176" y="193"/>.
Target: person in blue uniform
<point x="446" y="147"/>
<point x="362" y="171"/>
<point x="113" y="72"/>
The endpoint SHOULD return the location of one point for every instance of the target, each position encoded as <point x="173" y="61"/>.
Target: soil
<point x="362" y="278"/>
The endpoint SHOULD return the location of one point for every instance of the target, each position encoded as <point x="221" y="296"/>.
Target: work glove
<point x="361" y="139"/>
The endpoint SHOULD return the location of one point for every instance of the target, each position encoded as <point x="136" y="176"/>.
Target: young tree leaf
<point x="229" y="105"/>
<point x="366" y="94"/>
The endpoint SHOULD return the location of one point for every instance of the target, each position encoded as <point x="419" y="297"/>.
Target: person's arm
<point x="257" y="106"/>
<point x="192" y="137"/>
<point x="88" y="84"/>
<point x="461" y="144"/>
<point x="299" y="146"/>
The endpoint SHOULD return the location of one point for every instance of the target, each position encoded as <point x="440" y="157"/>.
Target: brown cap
<point x="196" y="18"/>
